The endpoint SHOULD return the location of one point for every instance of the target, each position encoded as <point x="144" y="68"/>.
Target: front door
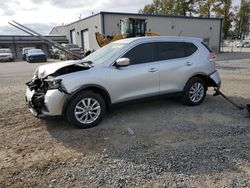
<point x="139" y="79"/>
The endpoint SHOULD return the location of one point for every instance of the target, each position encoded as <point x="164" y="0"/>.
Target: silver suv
<point x="122" y="71"/>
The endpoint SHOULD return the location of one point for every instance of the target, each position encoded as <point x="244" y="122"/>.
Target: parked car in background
<point x="24" y="52"/>
<point x="54" y="53"/>
<point x="36" y="55"/>
<point x="6" y="54"/>
<point x="72" y="47"/>
<point x="121" y="71"/>
<point x="246" y="44"/>
<point x="243" y="44"/>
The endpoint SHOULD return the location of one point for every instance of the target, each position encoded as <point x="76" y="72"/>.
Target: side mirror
<point x="122" y="62"/>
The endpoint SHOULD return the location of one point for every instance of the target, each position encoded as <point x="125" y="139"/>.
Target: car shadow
<point x="167" y="135"/>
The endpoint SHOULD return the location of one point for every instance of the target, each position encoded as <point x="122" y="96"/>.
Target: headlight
<point x="54" y="83"/>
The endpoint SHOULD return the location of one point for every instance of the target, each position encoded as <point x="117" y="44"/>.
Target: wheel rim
<point x="87" y="110"/>
<point x="196" y="92"/>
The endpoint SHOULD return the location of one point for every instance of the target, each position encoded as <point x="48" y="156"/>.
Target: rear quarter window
<point x="190" y="48"/>
<point x="207" y="47"/>
<point x="174" y="50"/>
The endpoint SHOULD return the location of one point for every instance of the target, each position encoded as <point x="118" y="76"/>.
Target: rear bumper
<point x="216" y="79"/>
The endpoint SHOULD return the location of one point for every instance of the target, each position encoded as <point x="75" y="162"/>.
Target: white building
<point x="82" y="32"/>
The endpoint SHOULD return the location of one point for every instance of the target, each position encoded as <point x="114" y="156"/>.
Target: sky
<point x="43" y="15"/>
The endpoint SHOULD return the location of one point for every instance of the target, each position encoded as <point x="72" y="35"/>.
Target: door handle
<point x="152" y="70"/>
<point x="189" y="63"/>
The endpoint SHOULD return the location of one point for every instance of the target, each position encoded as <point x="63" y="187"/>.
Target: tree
<point x="242" y="22"/>
<point x="225" y="11"/>
<point x="177" y="7"/>
<point x="221" y="8"/>
<point x="184" y="7"/>
<point x="206" y="7"/>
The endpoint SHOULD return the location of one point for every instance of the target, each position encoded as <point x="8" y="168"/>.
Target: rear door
<point x="140" y="78"/>
<point x="176" y="65"/>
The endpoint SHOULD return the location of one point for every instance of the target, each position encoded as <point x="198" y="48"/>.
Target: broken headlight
<point x="54" y="83"/>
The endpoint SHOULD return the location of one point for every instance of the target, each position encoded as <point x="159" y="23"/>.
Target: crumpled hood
<point x="49" y="69"/>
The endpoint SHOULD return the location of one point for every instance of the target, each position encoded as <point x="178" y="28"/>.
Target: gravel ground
<point x="158" y="143"/>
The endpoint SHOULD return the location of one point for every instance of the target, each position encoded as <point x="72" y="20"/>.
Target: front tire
<point x="194" y="92"/>
<point x="86" y="109"/>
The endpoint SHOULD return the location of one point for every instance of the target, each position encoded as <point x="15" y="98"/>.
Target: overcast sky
<point x="42" y="15"/>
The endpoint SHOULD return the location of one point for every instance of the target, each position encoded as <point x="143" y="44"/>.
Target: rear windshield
<point x="207" y="47"/>
<point x="34" y="50"/>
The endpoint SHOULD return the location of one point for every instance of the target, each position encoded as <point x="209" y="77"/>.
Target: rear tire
<point x="86" y="109"/>
<point x="194" y="92"/>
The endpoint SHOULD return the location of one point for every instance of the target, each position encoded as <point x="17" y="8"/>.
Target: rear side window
<point x="143" y="53"/>
<point x="207" y="47"/>
<point x="174" y="50"/>
<point x="190" y="48"/>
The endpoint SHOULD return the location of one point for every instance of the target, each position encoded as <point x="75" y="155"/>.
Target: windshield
<point x="4" y="50"/>
<point x="103" y="54"/>
<point x="126" y="27"/>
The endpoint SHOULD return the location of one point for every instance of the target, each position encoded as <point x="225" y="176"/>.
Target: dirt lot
<point x="171" y="145"/>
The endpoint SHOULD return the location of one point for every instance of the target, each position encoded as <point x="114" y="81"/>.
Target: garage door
<point x="85" y="39"/>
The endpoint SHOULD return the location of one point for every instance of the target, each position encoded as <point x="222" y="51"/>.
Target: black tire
<point x="70" y="112"/>
<point x="186" y="96"/>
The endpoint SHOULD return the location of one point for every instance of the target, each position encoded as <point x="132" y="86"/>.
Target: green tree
<point x="184" y="7"/>
<point x="225" y="11"/>
<point x="242" y="21"/>
<point x="206" y="7"/>
<point x="221" y="8"/>
<point x="176" y="7"/>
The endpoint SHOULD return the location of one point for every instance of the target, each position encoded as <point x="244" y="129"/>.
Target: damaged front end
<point x="35" y="94"/>
<point x="46" y="94"/>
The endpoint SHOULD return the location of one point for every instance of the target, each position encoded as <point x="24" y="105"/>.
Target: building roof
<point x="137" y="14"/>
<point x="161" y="15"/>
<point x="19" y="39"/>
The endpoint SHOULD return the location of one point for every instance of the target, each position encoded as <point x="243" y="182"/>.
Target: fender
<point x="84" y="87"/>
<point x="210" y="82"/>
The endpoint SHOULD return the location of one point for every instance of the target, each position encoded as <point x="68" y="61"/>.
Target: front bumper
<point x="37" y="58"/>
<point x="6" y="58"/>
<point x="49" y="104"/>
<point x="215" y="77"/>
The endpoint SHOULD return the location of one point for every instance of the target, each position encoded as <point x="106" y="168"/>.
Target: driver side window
<point x="143" y="53"/>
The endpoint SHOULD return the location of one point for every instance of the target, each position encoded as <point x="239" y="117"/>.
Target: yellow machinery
<point x="129" y="27"/>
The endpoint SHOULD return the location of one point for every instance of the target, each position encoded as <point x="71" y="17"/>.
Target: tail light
<point x="212" y="56"/>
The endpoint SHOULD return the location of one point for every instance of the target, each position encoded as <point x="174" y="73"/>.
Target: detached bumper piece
<point x="35" y="95"/>
<point x="216" y="79"/>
